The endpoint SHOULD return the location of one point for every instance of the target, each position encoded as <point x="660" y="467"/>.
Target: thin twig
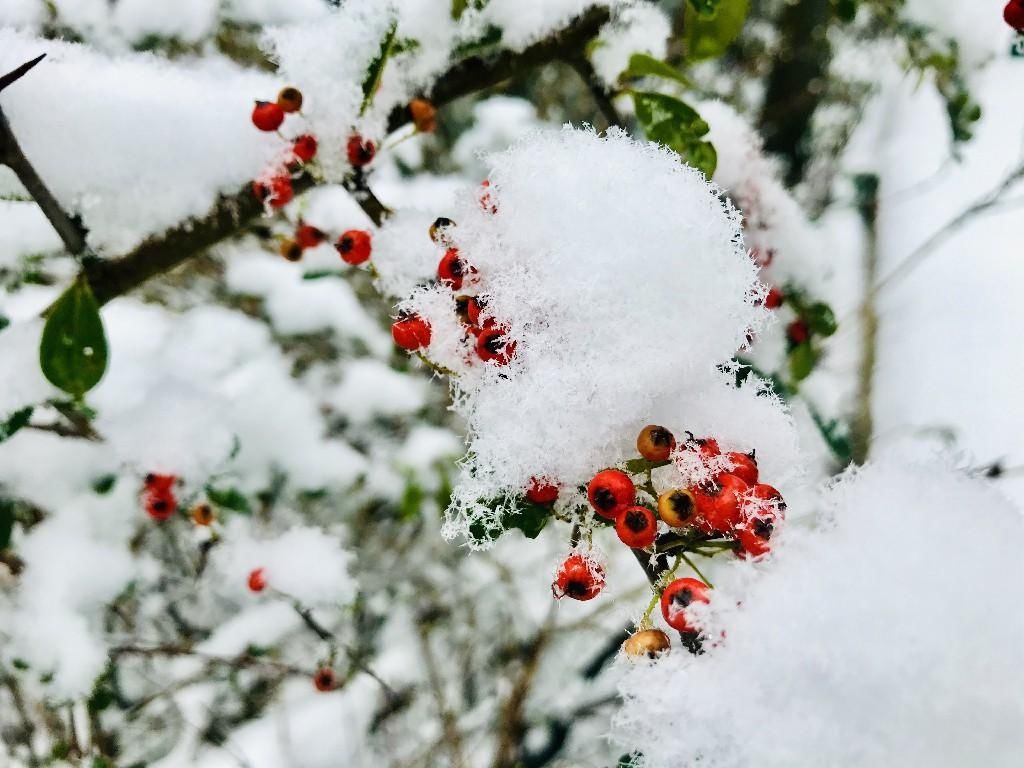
<point x="70" y="230"/>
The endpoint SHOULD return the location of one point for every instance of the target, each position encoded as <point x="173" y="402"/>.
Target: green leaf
<point x="411" y="504"/>
<point x="709" y="36"/>
<point x="14" y="422"/>
<point x="229" y="498"/>
<point x="821" y="319"/>
<point x="104" y="484"/>
<point x="802" y="359"/>
<point x="671" y="122"/>
<point x="4" y="322"/>
<point x="6" y="522"/>
<point x="73" y="351"/>
<point x="636" y="466"/>
<point x="642" y="65"/>
<point x="529" y="518"/>
<point x="459" y="7"/>
<point x="836" y="436"/>
<point x="376" y="68"/>
<point x="706" y="9"/>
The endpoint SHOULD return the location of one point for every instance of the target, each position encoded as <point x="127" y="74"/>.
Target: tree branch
<point x="69" y="228"/>
<point x="112" y="278"/>
<point x="793" y="91"/>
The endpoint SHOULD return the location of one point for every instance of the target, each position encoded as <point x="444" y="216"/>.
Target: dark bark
<point x="796" y="84"/>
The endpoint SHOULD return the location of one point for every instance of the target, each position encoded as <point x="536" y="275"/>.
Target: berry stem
<point x="656" y="590"/>
<point x="696" y="570"/>
<point x="435" y="367"/>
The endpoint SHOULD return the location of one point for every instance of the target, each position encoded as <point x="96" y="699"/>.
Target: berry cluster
<point x="275" y="188"/>
<point x="727" y="510"/>
<point x="486" y="337"/>
<point x="353" y="245"/>
<point x="1013" y="13"/>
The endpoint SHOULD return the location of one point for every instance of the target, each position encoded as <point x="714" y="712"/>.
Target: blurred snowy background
<point x="274" y="392"/>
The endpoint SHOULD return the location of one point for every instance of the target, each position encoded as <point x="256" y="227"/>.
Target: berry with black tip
<point x="494" y="346"/>
<point x="579" y="577"/>
<point x="637" y="527"/>
<point x="202" y="514"/>
<point x="452" y="270"/>
<point x="291" y="250"/>
<point x="308" y="236"/>
<point x="267" y="116"/>
<point x="744" y="466"/>
<point x="678" y="507"/>
<point x="440" y="230"/>
<point x="676" y="600"/>
<point x="726" y="510"/>
<point x="360" y="151"/>
<point x="305" y="147"/>
<point x="277" y="192"/>
<point x="655" y="443"/>
<point x="324" y="679"/>
<point x="610" y="492"/>
<point x="354" y="246"/>
<point x="289" y="99"/>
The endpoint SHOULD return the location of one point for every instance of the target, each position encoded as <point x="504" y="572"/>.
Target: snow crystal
<point x="888" y="635"/>
<point x="498" y="122"/>
<point x="525" y="21"/>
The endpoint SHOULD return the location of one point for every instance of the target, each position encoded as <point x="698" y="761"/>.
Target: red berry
<point x="323" y="680"/>
<point x="160" y="505"/>
<point x="1013" y="13"/>
<point x="474" y="307"/>
<point x="655" y="443"/>
<point x="159" y="483"/>
<point x="727" y="510"/>
<point x="277" y="192"/>
<point x="798" y="332"/>
<point x="540" y="491"/>
<point x="754" y="536"/>
<point x="492" y="345"/>
<point x="637" y="527"/>
<point x="257" y="580"/>
<point x="707" y="447"/>
<point x="267" y="116"/>
<point x="411" y="332"/>
<point x="354" y="246"/>
<point x="452" y="270"/>
<point x="360" y="150"/>
<point x="308" y="237"/>
<point x="767" y="493"/>
<point x="304" y="148"/>
<point x="579" y="577"/>
<point x="677" y="597"/>
<point x="773" y="299"/>
<point x="611" y="492"/>
<point x="744" y="466"/>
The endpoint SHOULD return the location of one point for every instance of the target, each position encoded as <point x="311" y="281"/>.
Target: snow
<point x="584" y="227"/>
<point x="884" y="635"/>
<point x="182" y="134"/>
<point x="639" y="28"/>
